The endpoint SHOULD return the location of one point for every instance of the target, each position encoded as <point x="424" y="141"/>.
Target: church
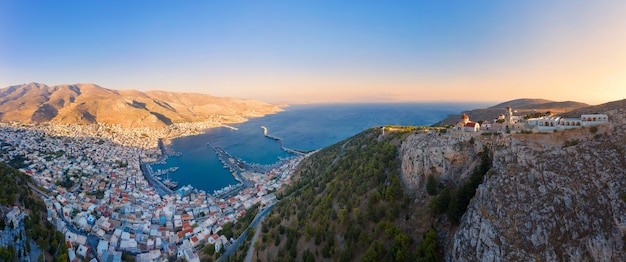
<point x="465" y="125"/>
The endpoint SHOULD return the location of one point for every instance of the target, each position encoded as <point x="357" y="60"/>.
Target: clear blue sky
<point x="323" y="51"/>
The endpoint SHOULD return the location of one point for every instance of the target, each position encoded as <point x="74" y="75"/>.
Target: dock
<point x="229" y="127"/>
<point x="236" y="165"/>
<point x="159" y="187"/>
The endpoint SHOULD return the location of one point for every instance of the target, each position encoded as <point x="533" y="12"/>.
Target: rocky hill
<point x="529" y="103"/>
<point x="556" y="196"/>
<point x="89" y="103"/>
<point x="548" y="197"/>
<point x="596" y="109"/>
<point x="549" y="200"/>
<point x="521" y="106"/>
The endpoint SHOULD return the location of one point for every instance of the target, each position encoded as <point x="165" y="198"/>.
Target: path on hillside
<point x="343" y="147"/>
<point x="257" y="230"/>
<point x="231" y="249"/>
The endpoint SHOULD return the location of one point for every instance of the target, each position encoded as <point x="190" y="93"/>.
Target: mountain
<point x="521" y="106"/>
<point x="596" y="109"/>
<point x="413" y="194"/>
<point x="90" y="103"/>
<point x="527" y="103"/>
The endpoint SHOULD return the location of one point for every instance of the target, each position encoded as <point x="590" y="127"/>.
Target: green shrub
<point x="428" y="249"/>
<point x="571" y="142"/>
<point x="431" y="185"/>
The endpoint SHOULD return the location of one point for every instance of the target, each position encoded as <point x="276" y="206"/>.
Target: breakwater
<point x="280" y="141"/>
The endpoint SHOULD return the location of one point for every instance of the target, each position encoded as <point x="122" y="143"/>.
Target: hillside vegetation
<point x="35" y="229"/>
<point x="425" y="196"/>
<point x="349" y="205"/>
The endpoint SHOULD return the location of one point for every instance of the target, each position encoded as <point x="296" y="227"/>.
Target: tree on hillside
<point x="431" y="185"/>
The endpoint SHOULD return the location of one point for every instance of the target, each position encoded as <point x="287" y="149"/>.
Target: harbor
<point x="244" y="173"/>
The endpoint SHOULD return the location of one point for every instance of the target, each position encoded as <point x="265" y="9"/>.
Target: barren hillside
<point x="89" y="103"/>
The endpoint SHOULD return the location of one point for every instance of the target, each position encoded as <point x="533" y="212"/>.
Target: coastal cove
<point x="301" y="127"/>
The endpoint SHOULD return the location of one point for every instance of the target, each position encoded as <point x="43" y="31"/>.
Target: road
<point x="257" y="231"/>
<point x="159" y="187"/>
<point x="232" y="248"/>
<point x="92" y="240"/>
<point x="343" y="148"/>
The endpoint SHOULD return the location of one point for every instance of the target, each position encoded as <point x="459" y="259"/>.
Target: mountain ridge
<point x="91" y="103"/>
<point x="538" y="103"/>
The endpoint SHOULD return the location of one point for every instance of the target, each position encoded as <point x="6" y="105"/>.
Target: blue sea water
<point x="304" y="127"/>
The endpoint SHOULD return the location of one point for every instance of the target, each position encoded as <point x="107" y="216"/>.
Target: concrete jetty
<point x="236" y="165"/>
<point x="280" y="141"/>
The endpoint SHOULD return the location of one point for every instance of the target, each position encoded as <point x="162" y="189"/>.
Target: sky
<point x="323" y="51"/>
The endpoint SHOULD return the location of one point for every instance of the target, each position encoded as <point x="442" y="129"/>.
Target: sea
<point x="301" y="127"/>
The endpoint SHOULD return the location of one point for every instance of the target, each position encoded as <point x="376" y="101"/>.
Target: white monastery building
<point x="509" y="122"/>
<point x="559" y="123"/>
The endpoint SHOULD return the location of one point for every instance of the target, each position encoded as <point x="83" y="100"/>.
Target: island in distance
<point x="90" y="104"/>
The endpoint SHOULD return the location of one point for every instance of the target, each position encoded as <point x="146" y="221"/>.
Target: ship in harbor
<point x="170" y="184"/>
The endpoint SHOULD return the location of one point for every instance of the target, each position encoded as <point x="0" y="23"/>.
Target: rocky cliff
<point x="546" y="203"/>
<point x="548" y="197"/>
<point x="448" y="158"/>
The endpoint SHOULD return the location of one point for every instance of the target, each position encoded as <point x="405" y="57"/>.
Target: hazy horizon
<point x="324" y="51"/>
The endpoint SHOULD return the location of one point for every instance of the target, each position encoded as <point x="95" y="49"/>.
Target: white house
<point x="555" y="122"/>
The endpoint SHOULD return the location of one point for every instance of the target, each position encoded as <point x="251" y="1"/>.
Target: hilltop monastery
<point x="508" y="121"/>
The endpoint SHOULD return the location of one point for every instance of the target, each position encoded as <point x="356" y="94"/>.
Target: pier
<point x="236" y="165"/>
<point x="151" y="176"/>
<point x="229" y="127"/>
<point x="280" y="141"/>
<point x="159" y="187"/>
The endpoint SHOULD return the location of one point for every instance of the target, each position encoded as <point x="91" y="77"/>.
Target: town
<point x="98" y="194"/>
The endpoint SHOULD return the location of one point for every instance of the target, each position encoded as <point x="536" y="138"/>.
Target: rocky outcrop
<point x="542" y="202"/>
<point x="445" y="157"/>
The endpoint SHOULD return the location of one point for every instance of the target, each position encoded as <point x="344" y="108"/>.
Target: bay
<point x="302" y="127"/>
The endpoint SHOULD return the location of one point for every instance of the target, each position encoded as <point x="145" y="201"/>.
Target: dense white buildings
<point x="95" y="186"/>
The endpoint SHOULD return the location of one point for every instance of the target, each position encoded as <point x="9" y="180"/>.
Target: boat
<point x="170" y="184"/>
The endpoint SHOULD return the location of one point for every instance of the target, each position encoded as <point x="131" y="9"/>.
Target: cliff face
<point x="447" y="158"/>
<point x="548" y="203"/>
<point x="540" y="201"/>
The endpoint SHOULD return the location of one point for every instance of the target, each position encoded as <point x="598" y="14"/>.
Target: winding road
<point x="232" y="248"/>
